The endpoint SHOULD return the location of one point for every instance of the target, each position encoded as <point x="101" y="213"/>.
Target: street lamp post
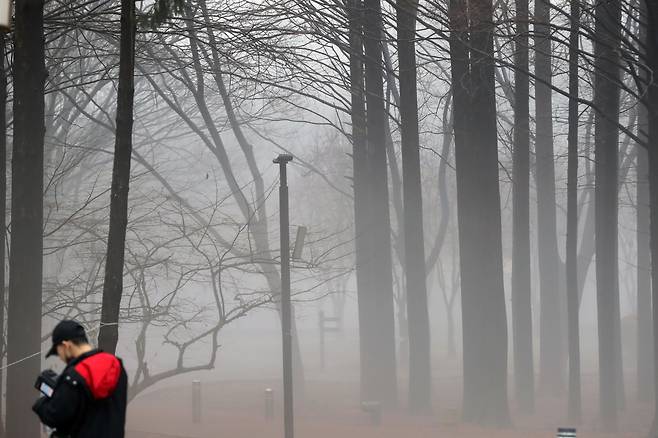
<point x="286" y="323"/>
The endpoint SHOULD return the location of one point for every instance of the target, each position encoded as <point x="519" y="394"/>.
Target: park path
<point x="236" y="410"/>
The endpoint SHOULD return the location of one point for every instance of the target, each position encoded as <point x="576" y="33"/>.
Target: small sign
<point x="299" y="243"/>
<point x="566" y="432"/>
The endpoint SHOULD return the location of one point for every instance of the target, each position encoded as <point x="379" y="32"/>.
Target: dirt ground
<point x="236" y="409"/>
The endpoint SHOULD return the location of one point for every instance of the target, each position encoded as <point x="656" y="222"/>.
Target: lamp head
<point x="283" y="158"/>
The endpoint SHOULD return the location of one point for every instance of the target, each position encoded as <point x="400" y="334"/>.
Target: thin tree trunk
<point x="550" y="346"/>
<point x="362" y="208"/>
<point x="452" y="344"/>
<point x="420" y="380"/>
<point x="3" y="214"/>
<point x="461" y="78"/>
<point x="587" y="246"/>
<point x="524" y="374"/>
<point x="379" y="339"/>
<point x="449" y="298"/>
<point x="651" y="103"/>
<point x="360" y="180"/>
<point x="574" y="407"/>
<point x="260" y="225"/>
<point x="108" y="335"/>
<point x="644" y="331"/>
<point x="606" y="137"/>
<point x="26" y="262"/>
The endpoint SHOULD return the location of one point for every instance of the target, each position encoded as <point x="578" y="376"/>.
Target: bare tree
<point x="651" y="102"/>
<point x="644" y="331"/>
<point x="25" y="265"/>
<point x="108" y="335"/>
<point x="524" y="374"/>
<point x="606" y="97"/>
<point x="483" y="300"/>
<point x="418" y="319"/>
<point x="574" y="407"/>
<point x="3" y="211"/>
<point x="551" y="352"/>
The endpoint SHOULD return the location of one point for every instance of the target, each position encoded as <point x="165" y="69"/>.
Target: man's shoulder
<point x="101" y="373"/>
<point x="70" y="377"/>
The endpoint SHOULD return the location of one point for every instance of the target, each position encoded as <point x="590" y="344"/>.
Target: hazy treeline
<point x="487" y="150"/>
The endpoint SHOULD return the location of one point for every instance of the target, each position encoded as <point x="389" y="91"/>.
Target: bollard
<point x="322" y="345"/>
<point x="374" y="409"/>
<point x="269" y="404"/>
<point x="196" y="401"/>
<point x="566" y="432"/>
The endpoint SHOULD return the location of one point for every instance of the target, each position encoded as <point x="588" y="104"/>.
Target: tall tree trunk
<point x="3" y="213"/>
<point x="450" y="297"/>
<point x="452" y="344"/>
<point x="360" y="180"/>
<point x="371" y="380"/>
<point x="420" y="379"/>
<point x="358" y="115"/>
<point x="524" y="374"/>
<point x="606" y="138"/>
<point x="26" y="262"/>
<point x="550" y="342"/>
<point x="651" y="103"/>
<point x="377" y="318"/>
<point x="108" y="335"/>
<point x="644" y="331"/>
<point x="574" y="406"/>
<point x="484" y="317"/>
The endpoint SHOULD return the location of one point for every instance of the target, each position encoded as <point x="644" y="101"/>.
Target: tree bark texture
<point x="651" y="103"/>
<point x="484" y="319"/>
<point x="26" y="263"/>
<point x="551" y="357"/>
<point x="606" y="143"/>
<point x="378" y="329"/>
<point x="524" y="374"/>
<point x="574" y="406"/>
<point x="108" y="335"/>
<point x="375" y="294"/>
<point x="3" y="212"/>
<point x="420" y="380"/>
<point x="644" y="330"/>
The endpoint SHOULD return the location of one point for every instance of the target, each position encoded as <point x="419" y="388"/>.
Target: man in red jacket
<point x="90" y="396"/>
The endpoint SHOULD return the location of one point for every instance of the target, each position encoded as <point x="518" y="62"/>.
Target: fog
<point x="470" y="179"/>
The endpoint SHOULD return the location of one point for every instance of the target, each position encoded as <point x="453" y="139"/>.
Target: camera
<point x="46" y="382"/>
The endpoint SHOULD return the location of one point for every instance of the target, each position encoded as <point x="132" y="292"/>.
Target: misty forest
<point x="321" y="218"/>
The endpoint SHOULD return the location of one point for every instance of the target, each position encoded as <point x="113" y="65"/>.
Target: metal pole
<point x="288" y="413"/>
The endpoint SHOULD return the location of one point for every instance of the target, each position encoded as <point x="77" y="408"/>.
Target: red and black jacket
<point x="89" y="400"/>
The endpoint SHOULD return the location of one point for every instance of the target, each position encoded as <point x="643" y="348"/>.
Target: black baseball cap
<point x="65" y="331"/>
